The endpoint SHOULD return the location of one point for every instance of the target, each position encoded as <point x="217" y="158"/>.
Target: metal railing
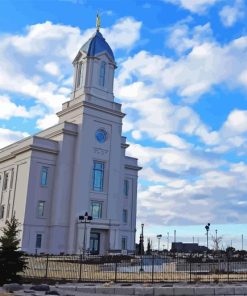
<point x="157" y="268"/>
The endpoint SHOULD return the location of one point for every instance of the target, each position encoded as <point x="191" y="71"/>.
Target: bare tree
<point x="216" y="242"/>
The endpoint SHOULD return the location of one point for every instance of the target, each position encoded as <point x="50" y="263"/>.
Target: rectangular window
<point x="41" y="209"/>
<point x="44" y="176"/>
<point x="102" y="74"/>
<point x="96" y="210"/>
<point x="79" y="75"/>
<point x="125" y="216"/>
<point x="126" y="188"/>
<point x="5" y="181"/>
<point x="38" y="241"/>
<point x="12" y="179"/>
<point x="124" y="243"/>
<point x="98" y="176"/>
<point x="1" y="211"/>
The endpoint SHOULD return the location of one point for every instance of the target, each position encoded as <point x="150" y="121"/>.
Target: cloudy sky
<point x="182" y="81"/>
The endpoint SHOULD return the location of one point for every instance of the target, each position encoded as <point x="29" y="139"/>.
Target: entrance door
<point x="94" y="243"/>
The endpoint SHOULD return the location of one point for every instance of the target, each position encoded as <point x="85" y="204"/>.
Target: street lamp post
<point x="168" y="241"/>
<point x="216" y="240"/>
<point x="159" y="236"/>
<point x="142" y="246"/>
<point x="85" y="219"/>
<point x="207" y="230"/>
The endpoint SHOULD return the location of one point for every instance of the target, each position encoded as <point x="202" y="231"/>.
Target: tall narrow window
<point x="124" y="243"/>
<point x="1" y="211"/>
<point x="41" y="209"/>
<point x="102" y="74"/>
<point x="44" y="176"/>
<point x="38" y="241"/>
<point x="11" y="178"/>
<point x="98" y="176"/>
<point x="5" y="181"/>
<point x="125" y="216"/>
<point x="79" y="75"/>
<point x="126" y="188"/>
<point x="96" y="210"/>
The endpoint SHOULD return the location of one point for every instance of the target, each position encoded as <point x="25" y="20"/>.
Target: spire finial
<point x="98" y="22"/>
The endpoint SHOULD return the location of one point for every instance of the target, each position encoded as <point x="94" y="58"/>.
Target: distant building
<point x="187" y="247"/>
<point x="79" y="165"/>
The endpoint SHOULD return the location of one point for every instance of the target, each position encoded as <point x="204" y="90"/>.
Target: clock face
<point x="101" y="135"/>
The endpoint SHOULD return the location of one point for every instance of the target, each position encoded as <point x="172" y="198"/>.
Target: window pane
<point x="12" y="178"/>
<point x="1" y="211"/>
<point x="125" y="214"/>
<point x="79" y="75"/>
<point x="102" y="74"/>
<point x="44" y="175"/>
<point x="124" y="243"/>
<point x="5" y="181"/>
<point x="126" y="187"/>
<point x="41" y="209"/>
<point x="96" y="210"/>
<point x="38" y="240"/>
<point x="98" y="176"/>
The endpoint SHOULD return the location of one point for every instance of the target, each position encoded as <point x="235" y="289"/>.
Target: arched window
<point x="102" y="74"/>
<point x="79" y="75"/>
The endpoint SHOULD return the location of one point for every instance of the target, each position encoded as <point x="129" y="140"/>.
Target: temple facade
<point x="49" y="180"/>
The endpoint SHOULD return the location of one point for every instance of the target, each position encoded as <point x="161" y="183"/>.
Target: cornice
<point x="32" y="147"/>
<point x="91" y="106"/>
<point x="132" y="167"/>
<point x="125" y="146"/>
<point x="61" y="131"/>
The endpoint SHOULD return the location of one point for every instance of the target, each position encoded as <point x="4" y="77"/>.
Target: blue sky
<point x="182" y="81"/>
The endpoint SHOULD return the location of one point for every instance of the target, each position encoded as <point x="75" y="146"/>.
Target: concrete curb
<point x="227" y="290"/>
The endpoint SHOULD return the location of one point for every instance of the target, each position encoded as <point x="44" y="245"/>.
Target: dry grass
<point x="58" y="269"/>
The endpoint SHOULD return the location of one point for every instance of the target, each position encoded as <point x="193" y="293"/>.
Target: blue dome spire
<point x="97" y="44"/>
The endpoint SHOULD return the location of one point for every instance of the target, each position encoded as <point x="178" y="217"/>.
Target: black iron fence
<point x="157" y="268"/>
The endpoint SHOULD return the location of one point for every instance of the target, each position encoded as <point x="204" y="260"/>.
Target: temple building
<point x="49" y="180"/>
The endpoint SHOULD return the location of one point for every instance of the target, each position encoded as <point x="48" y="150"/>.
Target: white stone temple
<point x="79" y="165"/>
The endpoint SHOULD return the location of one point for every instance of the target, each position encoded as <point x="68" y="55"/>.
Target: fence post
<point x="115" y="280"/>
<point x="80" y="266"/>
<point x="152" y="269"/>
<point x="46" y="265"/>
<point x="228" y="269"/>
<point x="190" y="267"/>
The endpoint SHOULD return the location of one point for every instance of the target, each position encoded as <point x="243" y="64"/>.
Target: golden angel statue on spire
<point x="98" y="22"/>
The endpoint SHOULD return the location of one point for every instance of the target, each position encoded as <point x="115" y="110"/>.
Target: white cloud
<point x="207" y="65"/>
<point x="8" y="137"/>
<point x="173" y="140"/>
<point x="231" y="14"/>
<point x="217" y="195"/>
<point x="47" y="121"/>
<point x="159" y="119"/>
<point x="124" y="34"/>
<point x="236" y="122"/>
<point x="196" y="6"/>
<point x="182" y="38"/>
<point x="9" y="109"/>
<point x="52" y="69"/>
<point x="137" y="135"/>
<point x="174" y="161"/>
<point x="50" y="48"/>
